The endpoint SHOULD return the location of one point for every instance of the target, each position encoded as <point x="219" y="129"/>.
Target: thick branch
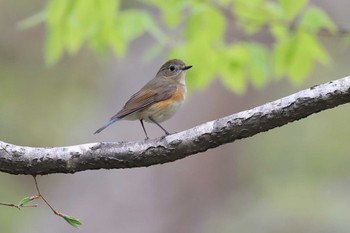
<point x="108" y="155"/>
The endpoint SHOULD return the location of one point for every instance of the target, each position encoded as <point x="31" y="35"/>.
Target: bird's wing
<point x="146" y="97"/>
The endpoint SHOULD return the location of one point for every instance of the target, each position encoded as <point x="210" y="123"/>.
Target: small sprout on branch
<point x="26" y="200"/>
<point x="23" y="203"/>
<point x="71" y="220"/>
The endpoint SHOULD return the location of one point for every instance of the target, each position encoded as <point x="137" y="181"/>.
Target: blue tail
<point x="106" y="125"/>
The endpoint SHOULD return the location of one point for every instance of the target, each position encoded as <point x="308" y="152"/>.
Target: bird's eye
<point x="171" y="68"/>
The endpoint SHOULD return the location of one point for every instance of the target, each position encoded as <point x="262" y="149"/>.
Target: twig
<point x="11" y="205"/>
<point x="69" y="219"/>
<point x="42" y="197"/>
<point x="18" y="206"/>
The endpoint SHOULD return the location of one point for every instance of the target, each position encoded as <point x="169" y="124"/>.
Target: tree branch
<point x="112" y="155"/>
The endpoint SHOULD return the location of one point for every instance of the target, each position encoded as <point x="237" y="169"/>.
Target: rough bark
<point x="112" y="155"/>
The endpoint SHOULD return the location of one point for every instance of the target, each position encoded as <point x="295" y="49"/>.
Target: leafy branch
<point x="69" y="219"/>
<point x="189" y="29"/>
<point x="25" y="203"/>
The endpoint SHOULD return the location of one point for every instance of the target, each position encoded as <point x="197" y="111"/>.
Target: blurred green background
<point x="291" y="179"/>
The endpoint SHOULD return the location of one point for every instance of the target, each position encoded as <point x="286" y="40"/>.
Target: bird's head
<point x="173" y="68"/>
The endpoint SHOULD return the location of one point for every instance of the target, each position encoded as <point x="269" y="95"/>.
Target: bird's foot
<point x="166" y="134"/>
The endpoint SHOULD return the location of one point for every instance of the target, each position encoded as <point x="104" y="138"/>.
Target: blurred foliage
<point x="197" y="31"/>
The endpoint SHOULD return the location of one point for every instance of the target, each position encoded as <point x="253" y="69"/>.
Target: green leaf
<point x="106" y="19"/>
<point x="74" y="222"/>
<point x="53" y="45"/>
<point x="118" y="43"/>
<point x="205" y="68"/>
<point x="208" y="24"/>
<point x="299" y="58"/>
<point x="280" y="53"/>
<point x="172" y="15"/>
<point x="233" y="68"/>
<point x="234" y="79"/>
<point x="74" y="38"/>
<point x="258" y="64"/>
<point x="203" y="73"/>
<point x="294" y="56"/>
<point x="304" y="50"/>
<point x="251" y="15"/>
<point x="98" y="42"/>
<point x="171" y="10"/>
<point x="129" y="25"/>
<point x="107" y="10"/>
<point x="279" y="31"/>
<point x="292" y="8"/>
<point x="24" y="201"/>
<point x="132" y="23"/>
<point x="274" y="12"/>
<point x="314" y="48"/>
<point x="315" y="19"/>
<point x="56" y="11"/>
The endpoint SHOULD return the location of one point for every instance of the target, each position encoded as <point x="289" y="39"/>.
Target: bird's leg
<point x="166" y="132"/>
<point x="143" y="127"/>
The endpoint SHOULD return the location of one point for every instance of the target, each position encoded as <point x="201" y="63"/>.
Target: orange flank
<point x="176" y="97"/>
<point x="163" y="110"/>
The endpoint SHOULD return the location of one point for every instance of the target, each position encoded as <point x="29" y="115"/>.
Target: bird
<point x="158" y="100"/>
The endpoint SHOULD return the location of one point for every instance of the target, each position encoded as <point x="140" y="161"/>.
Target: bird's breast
<point x="165" y="109"/>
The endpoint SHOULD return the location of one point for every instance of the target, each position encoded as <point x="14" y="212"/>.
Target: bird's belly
<point x="161" y="111"/>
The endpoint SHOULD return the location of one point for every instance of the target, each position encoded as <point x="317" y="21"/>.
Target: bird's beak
<point x="186" y="67"/>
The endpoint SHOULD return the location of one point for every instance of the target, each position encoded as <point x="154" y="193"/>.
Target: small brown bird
<point x="158" y="100"/>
